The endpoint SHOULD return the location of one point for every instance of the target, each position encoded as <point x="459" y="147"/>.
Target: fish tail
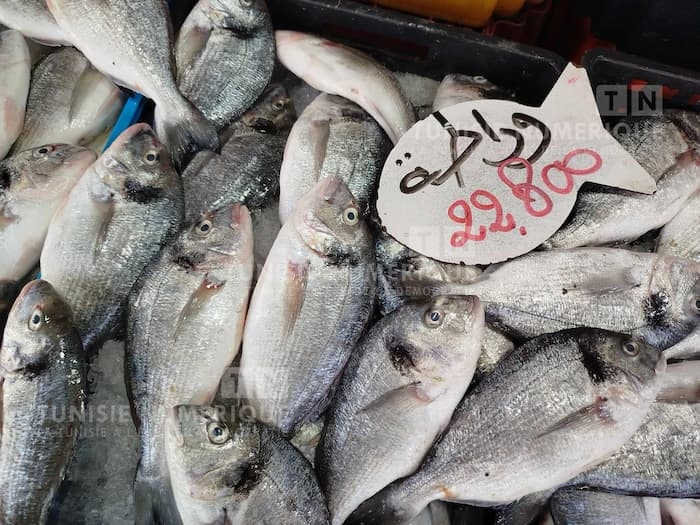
<point x="154" y="503"/>
<point x="185" y="132"/>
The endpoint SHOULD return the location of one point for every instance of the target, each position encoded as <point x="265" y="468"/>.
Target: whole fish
<point x="333" y="137"/>
<point x="238" y="473"/>
<point x="35" y="183"/>
<point x="551" y="409"/>
<point x="41" y="391"/>
<point x="185" y="325"/>
<point x="660" y="460"/>
<point x="455" y="89"/>
<point x="680" y="511"/>
<point x="398" y="392"/>
<point x="16" y="65"/>
<point x="316" y="293"/>
<point x="654" y="297"/>
<point x="339" y="70"/>
<point x="588" y="507"/>
<point x="681" y="235"/>
<point x="33" y="20"/>
<point x="69" y="102"/>
<point x="132" y="43"/>
<point x="125" y="207"/>
<point x="225" y="54"/>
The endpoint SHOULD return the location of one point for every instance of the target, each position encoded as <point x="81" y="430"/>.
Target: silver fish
<point x="494" y="346"/>
<point x="125" y="207"/>
<point x="225" y="54"/>
<point x="339" y="70"/>
<point x="33" y="19"/>
<point x="455" y="89"/>
<point x="588" y="507"/>
<point x="686" y="348"/>
<point x="132" y="43"/>
<point x="333" y="137"/>
<point x="41" y="392"/>
<point x="681" y="235"/>
<point x="315" y="293"/>
<point x="69" y="102"/>
<point x="238" y="473"/>
<point x="185" y="325"/>
<point x="553" y="408"/>
<point x="379" y="430"/>
<point x="654" y="297"/>
<point x="16" y="65"/>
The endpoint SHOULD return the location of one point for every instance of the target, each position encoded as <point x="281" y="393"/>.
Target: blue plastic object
<point x="131" y="112"/>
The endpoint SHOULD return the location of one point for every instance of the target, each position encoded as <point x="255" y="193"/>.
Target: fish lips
<point x="11" y="359"/>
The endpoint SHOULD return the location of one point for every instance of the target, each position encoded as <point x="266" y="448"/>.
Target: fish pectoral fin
<point x="320" y="135"/>
<point x="108" y="214"/>
<point x="209" y="287"/>
<point x="614" y="281"/>
<point x="402" y="399"/>
<point x="594" y="414"/>
<point x="83" y="92"/>
<point x="294" y="292"/>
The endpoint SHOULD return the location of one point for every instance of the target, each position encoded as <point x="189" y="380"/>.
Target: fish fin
<point x="400" y="400"/>
<point x="525" y="510"/>
<point x="681" y="383"/>
<point x="294" y="292"/>
<point x="615" y="281"/>
<point x="207" y="289"/>
<point x="321" y="132"/>
<point x="154" y="502"/>
<point x="593" y="414"/>
<point x="108" y="214"/>
<point x="185" y="132"/>
<point x="82" y="92"/>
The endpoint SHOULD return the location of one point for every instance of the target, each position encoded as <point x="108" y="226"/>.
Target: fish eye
<point x="203" y="227"/>
<point x="36" y="320"/>
<point x="278" y="105"/>
<point x="630" y="348"/>
<point x="351" y="216"/>
<point x="433" y="318"/>
<point x="247" y="3"/>
<point x="217" y="432"/>
<point x="696" y="305"/>
<point x="44" y="150"/>
<point x="480" y="80"/>
<point x="151" y="157"/>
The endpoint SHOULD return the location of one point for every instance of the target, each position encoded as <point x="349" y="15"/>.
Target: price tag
<point x="488" y="180"/>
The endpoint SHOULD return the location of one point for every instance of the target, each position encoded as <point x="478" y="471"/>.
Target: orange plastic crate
<point x="472" y="13"/>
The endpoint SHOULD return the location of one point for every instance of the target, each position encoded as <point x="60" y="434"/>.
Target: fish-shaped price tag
<point x="485" y="181"/>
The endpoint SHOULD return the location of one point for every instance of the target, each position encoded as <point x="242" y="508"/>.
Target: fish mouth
<point x="113" y="164"/>
<point x="661" y="364"/>
<point x="262" y="125"/>
<point x="11" y="359"/>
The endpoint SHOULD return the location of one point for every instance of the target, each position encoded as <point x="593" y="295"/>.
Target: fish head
<point x="37" y="322"/>
<point x="672" y="309"/>
<point x="330" y="222"/>
<point x="239" y="14"/>
<point x="219" y="235"/>
<point x="51" y="168"/>
<point x="274" y="111"/>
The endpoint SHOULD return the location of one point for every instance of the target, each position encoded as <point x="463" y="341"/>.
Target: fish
<point x="184" y="328"/>
<point x="132" y="43"/>
<point x="659" y="460"/>
<point x="124" y="208"/>
<point x="686" y="348"/>
<point x="680" y="511"/>
<point x="588" y="507"/>
<point x="494" y="346"/>
<point x="397" y="394"/>
<point x="316" y="293"/>
<point x="237" y="472"/>
<point x="556" y="406"/>
<point x="333" y="137"/>
<point x="69" y="102"/>
<point x="16" y="65"/>
<point x="33" y="185"/>
<point x="681" y="383"/>
<point x="33" y="20"/>
<point x="619" y="216"/>
<point x="225" y="54"/>
<point x="681" y="235"/>
<point x="42" y="379"/>
<point x="437" y="513"/>
<point x="651" y="296"/>
<point x="455" y="89"/>
<point x="339" y="70"/>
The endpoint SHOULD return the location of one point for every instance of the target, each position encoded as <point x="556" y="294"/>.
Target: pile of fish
<point x="237" y="240"/>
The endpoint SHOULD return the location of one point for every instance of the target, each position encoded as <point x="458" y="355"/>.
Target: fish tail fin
<point x="154" y="503"/>
<point x="185" y="132"/>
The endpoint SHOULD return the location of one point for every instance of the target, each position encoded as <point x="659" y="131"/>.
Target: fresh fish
<point x="225" y="54"/>
<point x="456" y="89"/>
<point x="620" y="216"/>
<point x="681" y="383"/>
<point x="680" y="511"/>
<point x="238" y="473"/>
<point x="333" y="137"/>
<point x="247" y="170"/>
<point x="339" y="70"/>
<point x="15" y="64"/>
<point x="379" y="430"/>
<point x="33" y="20"/>
<point x="33" y="185"/>
<point x="653" y="297"/>
<point x="588" y="507"/>
<point x="494" y="346"/>
<point x="185" y="325"/>
<point x="660" y="460"/>
<point x="315" y="293"/>
<point x="69" y="102"/>
<point x="681" y="235"/>
<point x="553" y="408"/>
<point x="41" y="392"/>
<point x="132" y="43"/>
<point x="126" y="206"/>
